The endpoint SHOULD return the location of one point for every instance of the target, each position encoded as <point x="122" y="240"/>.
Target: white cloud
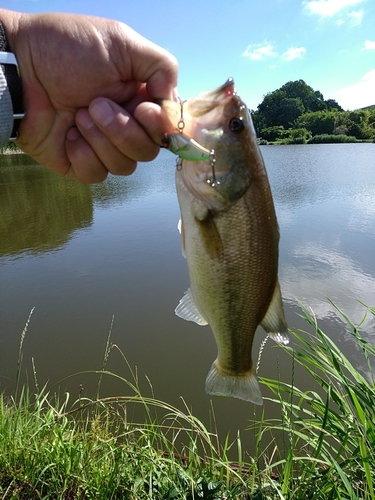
<point x="369" y="45"/>
<point x="294" y="53"/>
<point x="342" y="280"/>
<point x="328" y="8"/>
<point x="359" y="95"/>
<point x="355" y="17"/>
<point x="257" y="52"/>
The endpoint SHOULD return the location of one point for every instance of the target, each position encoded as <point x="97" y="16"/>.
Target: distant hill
<point x="369" y="107"/>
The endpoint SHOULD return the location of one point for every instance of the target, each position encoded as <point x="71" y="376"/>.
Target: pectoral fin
<point x="274" y="321"/>
<point x="188" y="310"/>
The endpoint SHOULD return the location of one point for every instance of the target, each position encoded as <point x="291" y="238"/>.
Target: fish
<point x="229" y="236"/>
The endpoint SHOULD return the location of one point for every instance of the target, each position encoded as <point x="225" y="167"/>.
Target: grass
<point x="330" y="434"/>
<point x="10" y="148"/>
<point x="331" y="138"/>
<point x="321" y="446"/>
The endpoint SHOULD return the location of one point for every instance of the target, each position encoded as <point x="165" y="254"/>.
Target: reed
<point x="321" y="446"/>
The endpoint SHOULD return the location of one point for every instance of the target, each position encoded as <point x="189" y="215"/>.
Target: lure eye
<point x="236" y="125"/>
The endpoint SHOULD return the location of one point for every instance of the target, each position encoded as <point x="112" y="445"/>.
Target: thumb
<point x="150" y="64"/>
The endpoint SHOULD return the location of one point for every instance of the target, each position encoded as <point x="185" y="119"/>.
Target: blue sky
<point x="330" y="44"/>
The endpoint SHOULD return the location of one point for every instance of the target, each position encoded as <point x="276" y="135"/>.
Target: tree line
<point x="296" y="113"/>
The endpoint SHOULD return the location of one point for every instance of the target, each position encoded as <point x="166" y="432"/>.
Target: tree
<point x="297" y="105"/>
<point x="291" y="109"/>
<point x="273" y="133"/>
<point x="358" y="124"/>
<point x="332" y="104"/>
<point x="284" y="105"/>
<point x="312" y="100"/>
<point x="269" y="108"/>
<point x="318" y="122"/>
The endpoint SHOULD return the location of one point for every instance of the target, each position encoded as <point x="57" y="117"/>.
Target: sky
<point x="330" y="44"/>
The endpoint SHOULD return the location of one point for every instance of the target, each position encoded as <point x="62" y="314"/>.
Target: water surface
<point x="87" y="256"/>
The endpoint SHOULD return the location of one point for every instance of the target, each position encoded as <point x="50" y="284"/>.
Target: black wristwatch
<point x="10" y="69"/>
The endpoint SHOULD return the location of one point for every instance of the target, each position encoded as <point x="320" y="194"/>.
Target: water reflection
<point x="39" y="211"/>
<point x="325" y="201"/>
<point x="150" y="178"/>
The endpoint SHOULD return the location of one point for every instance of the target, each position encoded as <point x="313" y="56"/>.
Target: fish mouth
<point x="207" y="101"/>
<point x="226" y="90"/>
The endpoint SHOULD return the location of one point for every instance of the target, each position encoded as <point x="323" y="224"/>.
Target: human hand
<point x="89" y="88"/>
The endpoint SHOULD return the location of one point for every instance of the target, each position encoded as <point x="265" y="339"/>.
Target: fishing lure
<point x="185" y="148"/>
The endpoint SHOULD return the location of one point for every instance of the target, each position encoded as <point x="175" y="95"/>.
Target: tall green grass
<point x="320" y="447"/>
<point x="331" y="138"/>
<point x="329" y="432"/>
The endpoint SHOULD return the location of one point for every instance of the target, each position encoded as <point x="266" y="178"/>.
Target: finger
<point x="114" y="160"/>
<point x="121" y="130"/>
<point x="84" y="163"/>
<point x="154" y="120"/>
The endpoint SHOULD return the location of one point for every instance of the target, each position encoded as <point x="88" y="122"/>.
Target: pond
<point x="95" y="259"/>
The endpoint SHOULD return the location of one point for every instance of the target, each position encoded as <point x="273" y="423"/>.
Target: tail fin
<point x="243" y="387"/>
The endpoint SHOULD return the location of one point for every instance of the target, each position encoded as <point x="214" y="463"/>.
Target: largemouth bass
<point x="230" y="238"/>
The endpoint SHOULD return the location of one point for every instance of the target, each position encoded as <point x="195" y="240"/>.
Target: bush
<point x="293" y="140"/>
<point x="331" y="138"/>
<point x="273" y="133"/>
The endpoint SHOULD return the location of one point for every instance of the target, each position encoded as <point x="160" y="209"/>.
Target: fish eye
<point x="236" y="124"/>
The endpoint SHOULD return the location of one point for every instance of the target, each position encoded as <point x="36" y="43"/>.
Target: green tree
<point x="273" y="133"/>
<point x="332" y="104"/>
<point x="318" y="122"/>
<point x="312" y="100"/>
<point x="358" y="124"/>
<point x="291" y="109"/>
<point x="258" y="121"/>
<point x="284" y="105"/>
<point x="269" y="110"/>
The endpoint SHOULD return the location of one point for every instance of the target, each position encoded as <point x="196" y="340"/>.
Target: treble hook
<point x="213" y="181"/>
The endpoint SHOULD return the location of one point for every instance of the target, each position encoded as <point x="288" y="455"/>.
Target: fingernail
<point x="102" y="113"/>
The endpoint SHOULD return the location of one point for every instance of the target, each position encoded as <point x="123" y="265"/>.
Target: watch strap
<point x="10" y="69"/>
